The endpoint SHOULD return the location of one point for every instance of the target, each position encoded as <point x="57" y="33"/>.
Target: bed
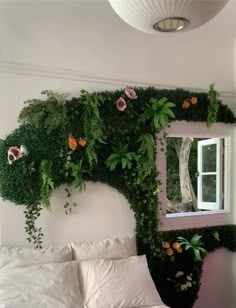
<point x="79" y="273"/>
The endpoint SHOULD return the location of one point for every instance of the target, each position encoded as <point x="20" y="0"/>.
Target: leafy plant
<point x="159" y="113"/>
<point x="214" y="104"/>
<point x="32" y="212"/>
<point x="49" y="113"/>
<point x="47" y="183"/>
<point x="194" y="245"/>
<point x="77" y="174"/>
<point x="145" y="156"/>
<point x="92" y="124"/>
<point x="120" y="156"/>
<point x="69" y="206"/>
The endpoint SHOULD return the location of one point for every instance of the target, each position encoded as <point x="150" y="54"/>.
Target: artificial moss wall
<point x="108" y="137"/>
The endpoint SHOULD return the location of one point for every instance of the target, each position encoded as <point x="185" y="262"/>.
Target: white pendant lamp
<point x="167" y="15"/>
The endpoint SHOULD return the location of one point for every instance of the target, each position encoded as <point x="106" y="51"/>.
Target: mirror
<point x="195" y="174"/>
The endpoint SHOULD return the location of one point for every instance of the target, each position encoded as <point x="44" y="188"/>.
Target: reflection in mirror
<point x="195" y="174"/>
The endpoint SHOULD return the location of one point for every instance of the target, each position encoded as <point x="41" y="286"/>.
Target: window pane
<point x="209" y="158"/>
<point x="209" y="188"/>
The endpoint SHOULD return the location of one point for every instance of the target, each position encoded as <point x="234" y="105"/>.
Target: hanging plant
<point x="145" y="156"/>
<point x="214" y="104"/>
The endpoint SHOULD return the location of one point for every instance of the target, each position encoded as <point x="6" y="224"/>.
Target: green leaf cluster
<point x="120" y="156"/>
<point x="214" y="104"/>
<point x="159" y="112"/>
<point x="93" y="125"/>
<point x="47" y="185"/>
<point x="49" y="114"/>
<point x="193" y="245"/>
<point x="77" y="172"/>
<point x="145" y="156"/>
<point x="32" y="212"/>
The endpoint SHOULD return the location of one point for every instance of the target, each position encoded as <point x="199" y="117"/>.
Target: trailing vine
<point x="108" y="137"/>
<point x="145" y="156"/>
<point x="35" y="235"/>
<point x="214" y="105"/>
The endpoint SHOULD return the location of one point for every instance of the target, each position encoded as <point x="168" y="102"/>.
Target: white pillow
<point x="47" y="286"/>
<point x="117" y="283"/>
<point x="19" y="257"/>
<point x="118" y="248"/>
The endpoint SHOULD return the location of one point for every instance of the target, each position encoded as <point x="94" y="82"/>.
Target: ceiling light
<point x="167" y="15"/>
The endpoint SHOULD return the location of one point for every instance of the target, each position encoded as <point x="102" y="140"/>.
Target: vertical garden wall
<point x="110" y="137"/>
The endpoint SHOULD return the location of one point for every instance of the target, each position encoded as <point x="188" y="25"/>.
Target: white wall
<point x="101" y="213"/>
<point x="87" y="37"/>
<point x="84" y="45"/>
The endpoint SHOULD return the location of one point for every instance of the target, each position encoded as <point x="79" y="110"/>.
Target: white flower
<point x="189" y="278"/>
<point x="179" y="274"/>
<point x="183" y="287"/>
<point x="188" y="284"/>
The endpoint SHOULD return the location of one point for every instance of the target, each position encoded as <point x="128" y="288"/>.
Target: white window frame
<point x="201" y="204"/>
<point x="206" y="218"/>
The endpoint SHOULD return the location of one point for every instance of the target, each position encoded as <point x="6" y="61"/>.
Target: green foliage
<point x="193" y="245"/>
<point x="21" y="181"/>
<point x="214" y="104"/>
<point x="44" y="130"/>
<point x="77" y="172"/>
<point x="159" y="113"/>
<point x="49" y="114"/>
<point x="145" y="156"/>
<point x="35" y="234"/>
<point x="47" y="183"/>
<point x="120" y="156"/>
<point x="92" y="124"/>
<point x="68" y="206"/>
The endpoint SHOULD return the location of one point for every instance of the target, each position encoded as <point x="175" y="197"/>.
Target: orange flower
<point x="166" y="244"/>
<point x="185" y="105"/>
<point x="72" y="143"/>
<point x="194" y="100"/>
<point x="179" y="250"/>
<point x="82" y="142"/>
<point x="170" y="252"/>
<point x="176" y="245"/>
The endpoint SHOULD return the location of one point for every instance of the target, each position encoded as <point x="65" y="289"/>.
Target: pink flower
<point x="121" y="104"/>
<point x="130" y="93"/>
<point x="15" y="153"/>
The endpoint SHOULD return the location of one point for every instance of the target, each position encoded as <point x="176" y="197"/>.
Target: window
<point x="195" y="174"/>
<point x="210" y="174"/>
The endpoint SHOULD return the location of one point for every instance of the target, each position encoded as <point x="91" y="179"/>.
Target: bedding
<point x="48" y="278"/>
<point x="20" y="257"/>
<point x="124" y="283"/>
<point x="42" y="286"/>
<point x="118" y="248"/>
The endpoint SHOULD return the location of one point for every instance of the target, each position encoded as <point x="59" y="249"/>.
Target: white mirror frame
<point x="206" y="218"/>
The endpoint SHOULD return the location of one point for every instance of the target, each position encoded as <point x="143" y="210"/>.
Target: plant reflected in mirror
<point x="195" y="174"/>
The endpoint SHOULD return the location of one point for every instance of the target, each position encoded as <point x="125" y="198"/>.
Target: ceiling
<point x="87" y="36"/>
